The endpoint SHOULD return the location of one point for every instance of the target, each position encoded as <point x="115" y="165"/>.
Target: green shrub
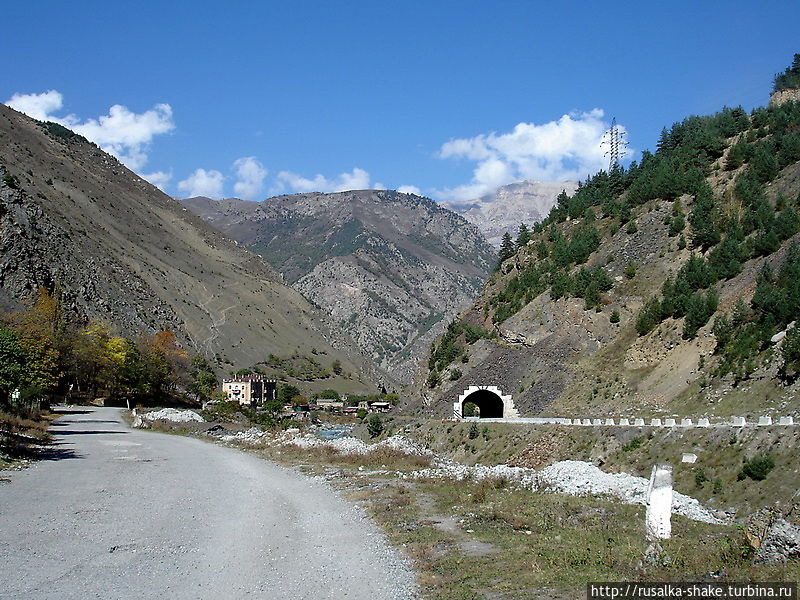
<point x="474" y="432"/>
<point x="700" y="477"/>
<point x="649" y="317"/>
<point x="11" y="181"/>
<point x="757" y="468"/>
<point x="433" y="379"/>
<point x="375" y="426"/>
<point x="634" y="444"/>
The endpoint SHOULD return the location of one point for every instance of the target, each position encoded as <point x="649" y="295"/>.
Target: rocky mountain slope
<point x="522" y="202"/>
<point x="392" y="269"/>
<point x="113" y="247"/>
<point x="663" y="289"/>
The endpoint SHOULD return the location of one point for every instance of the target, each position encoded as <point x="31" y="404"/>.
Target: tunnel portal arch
<point x="490" y="400"/>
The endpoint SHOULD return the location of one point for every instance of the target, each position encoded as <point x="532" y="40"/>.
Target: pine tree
<point x="523" y="236"/>
<point x="705" y="232"/>
<point x="790" y="78"/>
<point x="507" y="249"/>
<point x="789" y="152"/>
<point x="736" y="155"/>
<point x="764" y="165"/>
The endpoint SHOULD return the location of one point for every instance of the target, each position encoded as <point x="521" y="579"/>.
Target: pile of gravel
<point x="579" y="478"/>
<point x="250" y="436"/>
<point x="174" y="415"/>
<point x="517" y="476"/>
<point x="354" y="446"/>
<point x="573" y="477"/>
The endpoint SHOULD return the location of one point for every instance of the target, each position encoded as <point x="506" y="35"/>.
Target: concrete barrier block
<point x="738" y="421"/>
<point x="786" y="421"/>
<point x="655" y="422"/>
<point x="624" y="422"/>
<point x="638" y="422"/>
<point x="702" y="422"/>
<point x="597" y="421"/>
<point x="669" y="422"/>
<point x="689" y="457"/>
<point x="686" y="423"/>
<point x="587" y="421"/>
<point x="610" y="422"/>
<point x="765" y="420"/>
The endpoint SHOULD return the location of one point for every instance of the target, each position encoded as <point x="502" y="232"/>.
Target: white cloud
<point x="410" y="189"/>
<point x="250" y="175"/>
<point x="126" y="134"/>
<point x="121" y="132"/>
<point x="160" y="179"/>
<point x="570" y="148"/>
<point x="203" y="183"/>
<point x="357" y="179"/>
<point x="37" y="106"/>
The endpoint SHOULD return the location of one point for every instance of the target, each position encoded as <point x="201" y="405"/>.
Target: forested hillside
<point x="657" y="286"/>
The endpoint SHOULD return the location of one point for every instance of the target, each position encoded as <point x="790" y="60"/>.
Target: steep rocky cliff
<point x="392" y="269"/>
<point x="112" y="246"/>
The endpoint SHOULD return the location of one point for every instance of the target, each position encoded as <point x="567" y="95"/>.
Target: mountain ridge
<point x="116" y="248"/>
<point x="389" y="267"/>
<point x="528" y="201"/>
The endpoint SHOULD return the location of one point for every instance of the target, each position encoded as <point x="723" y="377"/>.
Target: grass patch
<point x="21" y="438"/>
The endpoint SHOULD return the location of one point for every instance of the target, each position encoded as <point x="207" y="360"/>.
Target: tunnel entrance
<point x="489" y="405"/>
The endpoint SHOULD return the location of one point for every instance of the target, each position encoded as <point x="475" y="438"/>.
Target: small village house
<point x="250" y="390"/>
<point x="329" y="404"/>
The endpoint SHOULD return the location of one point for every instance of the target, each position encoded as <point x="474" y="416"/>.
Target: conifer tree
<point x="523" y="236"/>
<point x="705" y="232"/>
<point x="507" y="249"/>
<point x="790" y="78"/>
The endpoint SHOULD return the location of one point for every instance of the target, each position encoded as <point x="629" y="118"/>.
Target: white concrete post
<point x="702" y="422"/>
<point x="655" y="422"/>
<point x="609" y="421"/>
<point x="624" y="422"/>
<point x="658" y="524"/>
<point x="669" y="422"/>
<point x="765" y="420"/>
<point x="686" y="423"/>
<point x="638" y="422"/>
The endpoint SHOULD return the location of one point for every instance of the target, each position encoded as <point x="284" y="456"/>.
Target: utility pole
<point x="616" y="143"/>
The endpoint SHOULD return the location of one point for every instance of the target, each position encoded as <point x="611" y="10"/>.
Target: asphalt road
<point x="121" y="513"/>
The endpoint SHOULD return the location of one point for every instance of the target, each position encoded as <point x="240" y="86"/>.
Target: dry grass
<point x="22" y="437"/>
<point x="380" y="458"/>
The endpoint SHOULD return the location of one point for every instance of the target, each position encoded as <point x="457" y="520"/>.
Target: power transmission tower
<point x="617" y="144"/>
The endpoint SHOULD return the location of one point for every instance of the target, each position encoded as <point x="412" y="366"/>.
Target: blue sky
<point x="449" y="98"/>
